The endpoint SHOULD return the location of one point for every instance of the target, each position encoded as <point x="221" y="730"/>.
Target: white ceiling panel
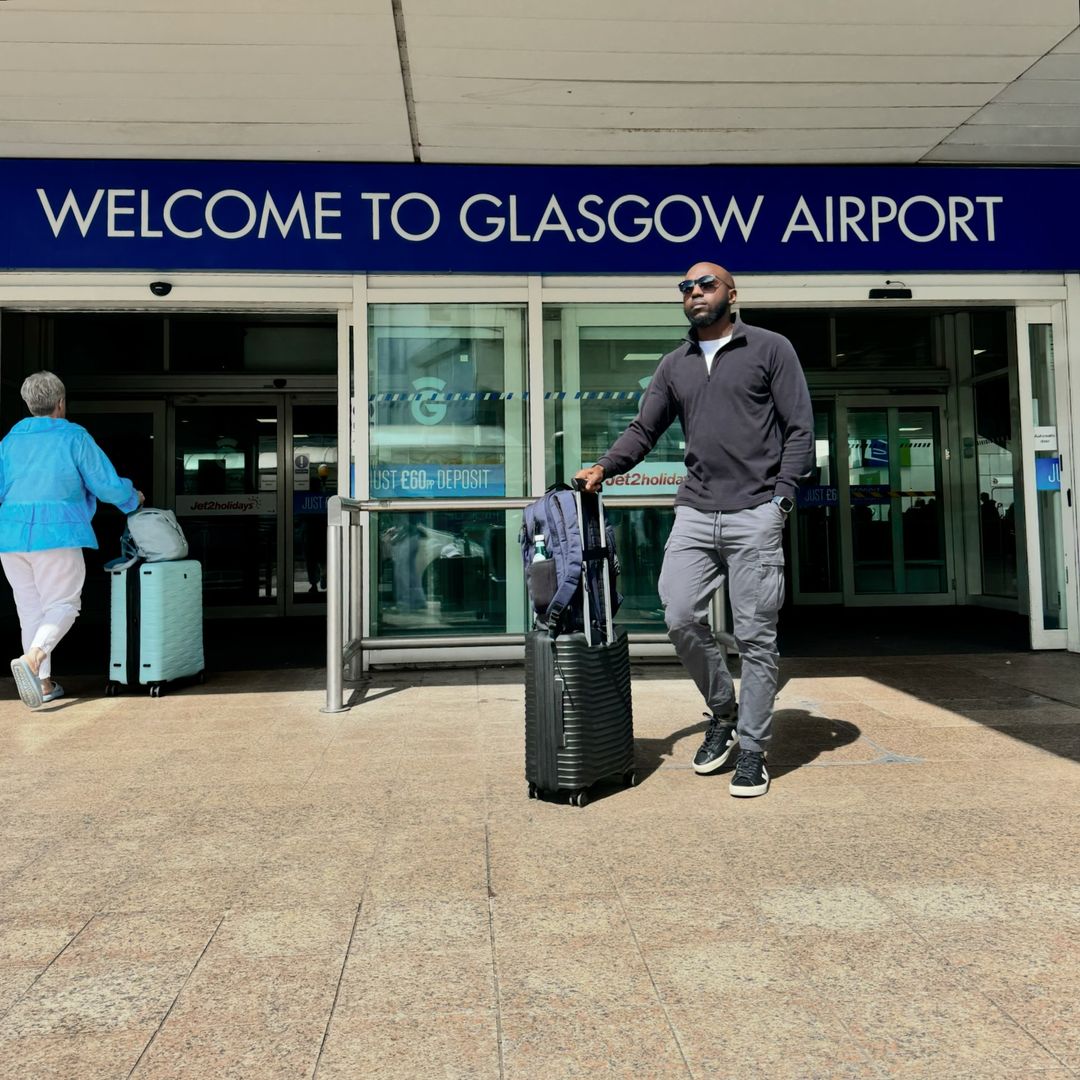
<point x="611" y="81"/>
<point x="674" y="67"/>
<point x="468" y="91"/>
<point x="725" y="17"/>
<point x="699" y="120"/>
<point x="243" y="79"/>
<point x="817" y="155"/>
<point x="810" y="36"/>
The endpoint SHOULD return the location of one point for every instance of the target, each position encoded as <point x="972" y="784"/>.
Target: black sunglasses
<point x="708" y="282"/>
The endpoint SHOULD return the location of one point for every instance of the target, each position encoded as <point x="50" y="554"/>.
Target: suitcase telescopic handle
<point x="609" y="626"/>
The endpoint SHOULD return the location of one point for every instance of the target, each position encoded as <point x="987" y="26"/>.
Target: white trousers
<point x="48" y="595"/>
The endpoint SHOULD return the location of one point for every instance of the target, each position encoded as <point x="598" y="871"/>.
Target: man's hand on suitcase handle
<point x="591" y="479"/>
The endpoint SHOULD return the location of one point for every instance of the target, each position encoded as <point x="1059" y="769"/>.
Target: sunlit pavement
<point x="225" y="882"/>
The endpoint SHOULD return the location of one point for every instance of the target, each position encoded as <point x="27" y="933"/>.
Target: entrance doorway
<point x="873" y="524"/>
<point x="248" y="477"/>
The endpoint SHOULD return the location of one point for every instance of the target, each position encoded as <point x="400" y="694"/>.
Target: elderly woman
<point x="51" y="475"/>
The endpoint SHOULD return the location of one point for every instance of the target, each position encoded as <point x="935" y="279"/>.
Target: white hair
<point x="42" y="392"/>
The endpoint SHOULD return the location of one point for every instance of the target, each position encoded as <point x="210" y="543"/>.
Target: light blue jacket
<point x="52" y="474"/>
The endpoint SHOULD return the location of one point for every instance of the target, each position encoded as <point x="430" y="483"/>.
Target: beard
<point x="707" y="318"/>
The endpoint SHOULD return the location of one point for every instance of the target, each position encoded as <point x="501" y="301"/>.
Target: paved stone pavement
<point x="225" y="882"/>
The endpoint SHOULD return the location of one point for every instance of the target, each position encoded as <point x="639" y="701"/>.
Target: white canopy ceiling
<point x="605" y="82"/>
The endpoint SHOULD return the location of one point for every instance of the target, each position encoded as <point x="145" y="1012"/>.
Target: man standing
<point x="740" y="395"/>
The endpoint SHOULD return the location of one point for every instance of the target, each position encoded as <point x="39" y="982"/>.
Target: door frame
<point x="1052" y="315"/>
<point x="157" y="409"/>
<point x="288" y="567"/>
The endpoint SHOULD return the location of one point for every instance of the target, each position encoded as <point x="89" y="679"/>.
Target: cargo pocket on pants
<point x="771" y="583"/>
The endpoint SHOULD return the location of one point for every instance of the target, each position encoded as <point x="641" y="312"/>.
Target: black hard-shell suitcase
<point x="579" y="724"/>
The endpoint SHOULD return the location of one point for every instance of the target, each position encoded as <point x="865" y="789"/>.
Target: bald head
<point x="702" y="268"/>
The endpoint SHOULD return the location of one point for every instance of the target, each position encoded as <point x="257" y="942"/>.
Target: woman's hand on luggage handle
<point x="594" y="477"/>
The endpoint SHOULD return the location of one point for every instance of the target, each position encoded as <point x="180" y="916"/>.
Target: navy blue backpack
<point x="555" y="583"/>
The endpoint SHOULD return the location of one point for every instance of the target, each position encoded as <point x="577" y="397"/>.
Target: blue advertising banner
<point x="290" y="216"/>
<point x="437" y="481"/>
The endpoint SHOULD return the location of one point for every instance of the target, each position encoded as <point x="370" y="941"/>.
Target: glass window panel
<point x="807" y="331"/>
<point x="989" y="341"/>
<point x="640" y="536"/>
<point x="884" y="339"/>
<point x="598" y="360"/>
<point x="994" y="461"/>
<point x="226" y="470"/>
<point x="817" y="517"/>
<point x="1048" y="477"/>
<point x="447" y="406"/>
<point x="107" y="344"/>
<point x="871" y="503"/>
<point x="920" y="502"/>
<point x="447" y="573"/>
<point x="315" y="478"/>
<point x="301" y="344"/>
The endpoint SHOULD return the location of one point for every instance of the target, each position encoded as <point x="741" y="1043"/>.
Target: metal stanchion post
<point x="354" y="669"/>
<point x="334" y="643"/>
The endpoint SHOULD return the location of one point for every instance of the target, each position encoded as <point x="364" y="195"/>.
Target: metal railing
<point x="345" y="641"/>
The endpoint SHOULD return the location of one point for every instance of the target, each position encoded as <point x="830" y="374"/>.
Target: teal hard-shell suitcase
<point x="156" y="625"/>
<point x="579" y="717"/>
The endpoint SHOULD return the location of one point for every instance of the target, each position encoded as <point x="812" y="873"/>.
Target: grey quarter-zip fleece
<point x="748" y="424"/>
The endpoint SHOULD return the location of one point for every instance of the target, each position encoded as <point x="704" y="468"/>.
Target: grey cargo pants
<point x="745" y="546"/>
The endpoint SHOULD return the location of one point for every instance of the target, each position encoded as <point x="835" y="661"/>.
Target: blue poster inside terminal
<point x="339" y="217"/>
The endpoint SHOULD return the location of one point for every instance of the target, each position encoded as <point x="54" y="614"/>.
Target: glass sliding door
<point x="228" y="489"/>
<point x="895" y="529"/>
<point x="815" y="532"/>
<point x="312" y="477"/>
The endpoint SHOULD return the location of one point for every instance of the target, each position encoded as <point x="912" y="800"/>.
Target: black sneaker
<point x="750" y="776"/>
<point x="720" y="741"/>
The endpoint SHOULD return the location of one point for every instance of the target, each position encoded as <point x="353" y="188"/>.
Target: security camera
<point x="160" y="288"/>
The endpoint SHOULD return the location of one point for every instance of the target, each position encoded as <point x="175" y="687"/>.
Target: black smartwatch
<point x="785" y="504"/>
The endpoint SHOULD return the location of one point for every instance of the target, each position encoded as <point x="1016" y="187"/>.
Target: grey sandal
<point x="26" y="682"/>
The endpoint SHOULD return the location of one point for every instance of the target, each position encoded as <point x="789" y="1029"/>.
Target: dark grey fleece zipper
<point x="749" y="425"/>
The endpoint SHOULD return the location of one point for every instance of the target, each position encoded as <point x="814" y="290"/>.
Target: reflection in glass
<point x="253" y="343"/>
<point x="808" y="332"/>
<point x="598" y="360"/>
<point x="226" y="472"/>
<point x="315" y="478"/>
<point x="884" y="339"/>
<point x="989" y="341"/>
<point x="817" y="516"/>
<point x="640" y="536"/>
<point x="920" y="503"/>
<point x="447" y="573"/>
<point x="871" y="502"/>
<point x="447" y="406"/>
<point x="994" y="460"/>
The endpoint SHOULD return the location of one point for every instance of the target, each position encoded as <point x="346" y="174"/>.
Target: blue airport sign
<point x="339" y="217"/>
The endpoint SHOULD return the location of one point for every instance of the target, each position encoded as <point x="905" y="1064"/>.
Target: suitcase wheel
<point x="579" y="798"/>
<point x="630" y="779"/>
<point x="112" y="689"/>
<point x="155" y="689"/>
<point x="533" y="794"/>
